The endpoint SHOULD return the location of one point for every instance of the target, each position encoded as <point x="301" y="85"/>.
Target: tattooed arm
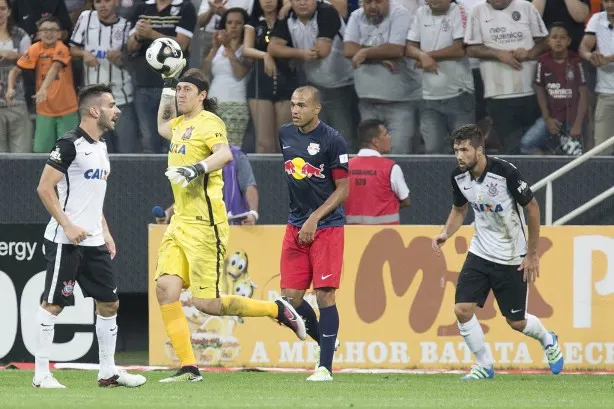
<point x="166" y="112"/>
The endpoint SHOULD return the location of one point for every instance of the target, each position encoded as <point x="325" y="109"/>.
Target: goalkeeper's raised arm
<point x="167" y="110"/>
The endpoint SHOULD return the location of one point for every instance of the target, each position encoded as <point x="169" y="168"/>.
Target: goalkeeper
<point x="194" y="245"/>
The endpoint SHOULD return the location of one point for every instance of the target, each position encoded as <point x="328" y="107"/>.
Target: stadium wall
<point x="137" y="183"/>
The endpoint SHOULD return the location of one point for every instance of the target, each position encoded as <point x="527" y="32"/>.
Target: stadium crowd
<point x="536" y="76"/>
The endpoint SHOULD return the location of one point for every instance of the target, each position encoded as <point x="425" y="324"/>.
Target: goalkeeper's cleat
<point x="47" y="381"/>
<point x="337" y="343"/>
<point x="121" y="378"/>
<point x="288" y="316"/>
<point x="320" y="375"/>
<point x="184" y="374"/>
<point x="477" y="373"/>
<point x="554" y="355"/>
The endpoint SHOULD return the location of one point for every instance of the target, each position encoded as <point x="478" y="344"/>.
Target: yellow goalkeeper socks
<point x="246" y="307"/>
<point x="178" y="331"/>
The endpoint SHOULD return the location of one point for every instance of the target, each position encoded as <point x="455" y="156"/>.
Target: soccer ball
<point x="164" y="55"/>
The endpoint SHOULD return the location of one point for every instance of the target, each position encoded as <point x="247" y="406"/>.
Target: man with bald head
<point x="316" y="166"/>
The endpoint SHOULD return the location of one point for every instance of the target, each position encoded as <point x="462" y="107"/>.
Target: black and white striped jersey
<point x="86" y="167"/>
<point x="98" y="38"/>
<point x="497" y="198"/>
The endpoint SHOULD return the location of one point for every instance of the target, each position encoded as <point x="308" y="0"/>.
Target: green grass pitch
<point x="284" y="390"/>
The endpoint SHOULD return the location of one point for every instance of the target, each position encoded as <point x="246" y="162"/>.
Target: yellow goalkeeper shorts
<point x="194" y="252"/>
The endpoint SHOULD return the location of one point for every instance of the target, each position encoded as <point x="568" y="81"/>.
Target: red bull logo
<point x="299" y="169"/>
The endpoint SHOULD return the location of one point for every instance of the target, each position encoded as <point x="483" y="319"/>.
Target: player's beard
<point x="106" y="123"/>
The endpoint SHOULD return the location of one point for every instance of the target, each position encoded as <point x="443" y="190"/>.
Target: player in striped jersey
<point x="99" y="38"/>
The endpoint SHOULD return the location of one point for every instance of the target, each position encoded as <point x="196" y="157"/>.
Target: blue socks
<point x="311" y="320"/>
<point x="329" y="326"/>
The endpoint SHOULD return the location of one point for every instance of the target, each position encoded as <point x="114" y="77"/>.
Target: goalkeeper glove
<point x="185" y="174"/>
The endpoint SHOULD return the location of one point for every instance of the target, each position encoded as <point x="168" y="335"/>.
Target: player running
<point x="316" y="164"/>
<point x="499" y="256"/>
<point x="78" y="244"/>
<point x="193" y="249"/>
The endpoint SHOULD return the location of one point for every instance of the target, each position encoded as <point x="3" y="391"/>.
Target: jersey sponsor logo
<point x="99" y="174"/>
<point x="343" y="158"/>
<point x="487" y="207"/>
<point x="100" y="54"/>
<point x="188" y="133"/>
<point x="55" y="155"/>
<point x="177" y="148"/>
<point x="313" y="148"/>
<point x="69" y="287"/>
<point x="522" y="186"/>
<point x="299" y="169"/>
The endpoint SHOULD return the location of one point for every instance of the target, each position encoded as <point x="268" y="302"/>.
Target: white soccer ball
<point x="164" y="55"/>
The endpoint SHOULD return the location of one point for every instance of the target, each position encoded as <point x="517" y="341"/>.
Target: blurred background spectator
<point x="597" y="47"/>
<point x="98" y="40"/>
<point x="377" y="184"/>
<point x="435" y="41"/>
<point x="209" y="15"/>
<point x="56" y="100"/>
<point x="154" y="19"/>
<point x="562" y="96"/>
<point x="272" y="81"/>
<point x="375" y="43"/>
<point x="15" y="126"/>
<point x="227" y="70"/>
<point x="313" y="33"/>
<point x="507" y="36"/>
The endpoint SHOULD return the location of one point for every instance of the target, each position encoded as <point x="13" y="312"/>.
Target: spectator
<point x="126" y="8"/>
<point x="272" y="82"/>
<point x="375" y="43"/>
<point x="313" y="33"/>
<point x="435" y="40"/>
<point x="76" y="7"/>
<point x="507" y="36"/>
<point x="240" y="191"/>
<point x="228" y="71"/>
<point x="571" y="13"/>
<point x="27" y="14"/>
<point x="478" y="86"/>
<point x="154" y="19"/>
<point x="342" y="7"/>
<point x="377" y="184"/>
<point x="209" y="16"/>
<point x="562" y="96"/>
<point x="597" y="47"/>
<point x="56" y="100"/>
<point x="15" y="128"/>
<point x="99" y="38"/>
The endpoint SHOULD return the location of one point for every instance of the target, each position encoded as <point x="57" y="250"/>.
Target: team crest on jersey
<point x="69" y="287"/>
<point x="118" y="35"/>
<point x="188" y="133"/>
<point x="55" y="155"/>
<point x="516" y="15"/>
<point x="313" y="148"/>
<point x="492" y="189"/>
<point x="570" y="75"/>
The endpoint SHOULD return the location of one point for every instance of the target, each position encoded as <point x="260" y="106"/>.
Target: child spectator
<point x="56" y="101"/>
<point x="562" y="96"/>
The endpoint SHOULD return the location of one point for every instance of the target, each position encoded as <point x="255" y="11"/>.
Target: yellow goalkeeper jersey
<point x="193" y="139"/>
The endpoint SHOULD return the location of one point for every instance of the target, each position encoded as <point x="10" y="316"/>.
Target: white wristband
<point x="254" y="213"/>
<point x="169" y="91"/>
<point x="205" y="166"/>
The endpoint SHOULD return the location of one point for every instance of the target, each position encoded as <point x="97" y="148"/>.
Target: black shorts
<point x="262" y="87"/>
<point x="89" y="266"/>
<point x="479" y="276"/>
